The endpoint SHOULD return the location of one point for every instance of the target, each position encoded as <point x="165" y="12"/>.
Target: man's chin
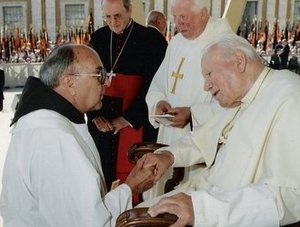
<point x="117" y="30"/>
<point x="97" y="106"/>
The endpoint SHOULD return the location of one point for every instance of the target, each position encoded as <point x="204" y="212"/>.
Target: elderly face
<point x="116" y="15"/>
<point x="88" y="91"/>
<point x="223" y="77"/>
<point x="188" y="22"/>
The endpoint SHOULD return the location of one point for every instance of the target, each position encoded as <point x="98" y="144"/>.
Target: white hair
<point x="197" y="4"/>
<point x="229" y="43"/>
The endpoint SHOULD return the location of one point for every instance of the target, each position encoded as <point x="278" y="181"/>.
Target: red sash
<point x="125" y="87"/>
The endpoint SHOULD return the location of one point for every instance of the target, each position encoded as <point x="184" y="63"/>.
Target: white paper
<point x="163" y="118"/>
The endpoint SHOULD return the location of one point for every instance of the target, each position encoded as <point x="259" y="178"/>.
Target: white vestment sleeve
<point x="117" y="201"/>
<point x="185" y="152"/>
<point x="199" y="146"/>
<point x="235" y="208"/>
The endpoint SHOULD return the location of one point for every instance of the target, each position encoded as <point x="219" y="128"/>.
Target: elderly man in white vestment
<point x="250" y="148"/>
<point x="175" y="86"/>
<point x="53" y="174"/>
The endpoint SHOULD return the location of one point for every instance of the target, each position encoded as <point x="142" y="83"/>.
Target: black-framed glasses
<point x="101" y="76"/>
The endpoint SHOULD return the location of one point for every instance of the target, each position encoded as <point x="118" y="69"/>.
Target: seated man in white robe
<point x="250" y="149"/>
<point x="53" y="174"/>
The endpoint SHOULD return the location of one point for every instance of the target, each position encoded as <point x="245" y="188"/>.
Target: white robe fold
<point x="53" y="176"/>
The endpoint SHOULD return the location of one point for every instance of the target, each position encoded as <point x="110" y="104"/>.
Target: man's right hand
<point x="102" y="124"/>
<point x="160" y="161"/>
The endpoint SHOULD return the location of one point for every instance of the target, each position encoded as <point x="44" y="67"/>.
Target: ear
<point x="68" y="82"/>
<point x="158" y="21"/>
<point x="204" y="14"/>
<point x="130" y="9"/>
<point x="240" y="61"/>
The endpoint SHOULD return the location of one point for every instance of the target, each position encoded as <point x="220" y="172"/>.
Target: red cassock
<point x="134" y="56"/>
<point x="125" y="87"/>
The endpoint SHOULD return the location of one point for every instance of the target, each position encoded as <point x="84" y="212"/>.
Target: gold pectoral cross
<point x="177" y="75"/>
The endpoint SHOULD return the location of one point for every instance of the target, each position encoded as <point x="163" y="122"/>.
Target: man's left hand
<point x="119" y="123"/>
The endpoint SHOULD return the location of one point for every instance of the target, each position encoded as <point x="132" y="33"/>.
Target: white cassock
<point x="189" y="91"/>
<point x="254" y="178"/>
<point x="53" y="176"/>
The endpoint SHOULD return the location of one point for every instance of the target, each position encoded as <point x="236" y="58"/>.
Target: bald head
<point x="75" y="71"/>
<point x="157" y="19"/>
<point x="62" y="59"/>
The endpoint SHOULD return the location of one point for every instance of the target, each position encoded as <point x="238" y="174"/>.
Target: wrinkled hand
<point x="141" y="178"/>
<point x="162" y="107"/>
<point x="160" y="161"/>
<point x="103" y="124"/>
<point x="181" y="117"/>
<point x="119" y="123"/>
<point x="180" y="204"/>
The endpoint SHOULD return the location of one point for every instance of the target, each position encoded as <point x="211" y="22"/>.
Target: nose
<point x="207" y="85"/>
<point x="113" y="21"/>
<point x="179" y="21"/>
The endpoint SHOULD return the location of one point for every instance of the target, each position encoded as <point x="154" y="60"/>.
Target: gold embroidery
<point x="177" y="75"/>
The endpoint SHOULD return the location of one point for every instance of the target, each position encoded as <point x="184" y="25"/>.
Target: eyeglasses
<point x="108" y="18"/>
<point x="101" y="76"/>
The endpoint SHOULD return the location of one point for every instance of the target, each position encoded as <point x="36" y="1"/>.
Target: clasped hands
<point x="147" y="172"/>
<point x="181" y="115"/>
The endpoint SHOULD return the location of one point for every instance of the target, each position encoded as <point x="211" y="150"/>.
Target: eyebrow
<point x="207" y="74"/>
<point x="98" y="69"/>
<point x="113" y="15"/>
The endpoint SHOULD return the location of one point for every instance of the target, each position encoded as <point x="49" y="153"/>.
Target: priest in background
<point x="175" y="87"/>
<point x="127" y="50"/>
<point x="157" y="20"/>
<point x="157" y="25"/>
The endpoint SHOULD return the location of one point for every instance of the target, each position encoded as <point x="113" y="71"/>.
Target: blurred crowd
<point x="22" y="46"/>
<point x="278" y="47"/>
<point x="19" y="45"/>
